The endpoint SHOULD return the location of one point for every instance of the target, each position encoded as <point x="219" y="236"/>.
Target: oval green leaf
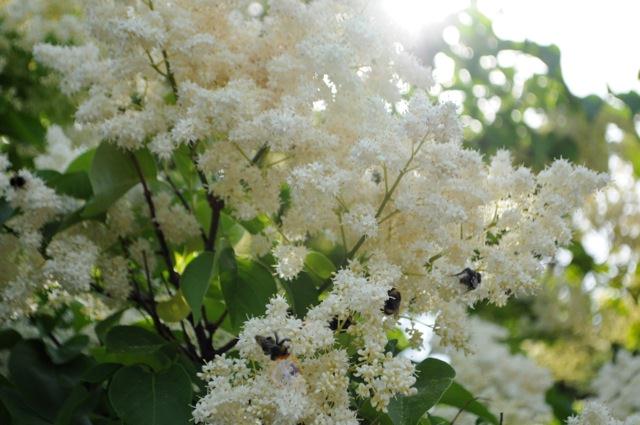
<point x="433" y="378"/>
<point x="174" y="309"/>
<point x="131" y="339"/>
<point x="319" y="264"/>
<point x="140" y="397"/>
<point x="195" y="281"/>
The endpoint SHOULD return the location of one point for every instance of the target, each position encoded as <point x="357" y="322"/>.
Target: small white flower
<point x="290" y="260"/>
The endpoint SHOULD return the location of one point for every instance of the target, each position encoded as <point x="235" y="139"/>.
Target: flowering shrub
<point x="263" y="192"/>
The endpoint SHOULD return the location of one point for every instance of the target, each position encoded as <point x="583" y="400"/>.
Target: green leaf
<point x="196" y="279"/>
<point x="140" y="397"/>
<point x="132" y="339"/>
<point x="372" y="415"/>
<point x="82" y="162"/>
<point x="69" y="350"/>
<point x="561" y="398"/>
<point x="157" y="360"/>
<point x="76" y="185"/>
<point x="302" y="293"/>
<point x="20" y="413"/>
<point x="129" y="345"/>
<point x="319" y="264"/>
<point x="182" y="159"/>
<point x="104" y="326"/>
<point x="36" y="379"/>
<point x="23" y="127"/>
<point x="458" y="396"/>
<point x="9" y="338"/>
<point x="100" y="372"/>
<point x="433" y="378"/>
<point x="175" y="309"/>
<point x="113" y="173"/>
<point x="399" y="339"/>
<point x="437" y="420"/>
<point x="246" y="292"/>
<point x="70" y="410"/>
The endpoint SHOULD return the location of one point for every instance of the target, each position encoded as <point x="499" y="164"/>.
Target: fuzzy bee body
<point x="17" y="181"/>
<point x="392" y="304"/>
<point x="470" y="278"/>
<point x="275" y="348"/>
<point x="342" y="324"/>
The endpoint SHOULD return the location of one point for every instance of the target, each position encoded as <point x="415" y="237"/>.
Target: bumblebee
<point x="470" y="278"/>
<point x="274" y="348"/>
<point x="334" y="323"/>
<point x="392" y="304"/>
<point x="17" y="181"/>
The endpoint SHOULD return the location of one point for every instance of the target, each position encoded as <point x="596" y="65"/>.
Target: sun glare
<point x="415" y="15"/>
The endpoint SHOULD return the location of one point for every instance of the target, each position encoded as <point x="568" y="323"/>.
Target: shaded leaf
<point x="433" y="378"/>
<point x="132" y="339"/>
<point x="144" y="398"/>
<point x="458" y="396"/>
<point x="302" y="293"/>
<point x="195" y="281"/>
<point x="248" y="290"/>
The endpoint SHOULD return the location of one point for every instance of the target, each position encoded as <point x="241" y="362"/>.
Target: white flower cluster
<point x="65" y="269"/>
<point x="38" y="204"/>
<point x="618" y="384"/>
<point x="311" y="97"/>
<point x="306" y="95"/>
<point x="177" y="223"/>
<point x="290" y="260"/>
<point x="37" y="20"/>
<point x="71" y="260"/>
<point x="595" y="413"/>
<point x="60" y="151"/>
<point x="310" y="383"/>
<point x="507" y="383"/>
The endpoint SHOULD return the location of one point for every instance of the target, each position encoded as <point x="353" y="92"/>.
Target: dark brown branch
<point x="228" y="346"/>
<point x="187" y="340"/>
<point x="215" y="325"/>
<point x="164" y="247"/>
<point x="216" y="204"/>
<point x="183" y="201"/>
<point x="206" y="348"/>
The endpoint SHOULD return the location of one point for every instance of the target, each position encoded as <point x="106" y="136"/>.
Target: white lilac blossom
<point x="509" y="383"/>
<point x="386" y="181"/>
<point x="115" y="277"/>
<point x="18" y="277"/>
<point x="310" y="386"/>
<point x="177" y="223"/>
<point x="595" y="413"/>
<point x="617" y="385"/>
<point x="289" y="260"/>
<point x="71" y="261"/>
<point x="37" y="202"/>
<point x="60" y="151"/>
<point x="37" y="20"/>
<point x="299" y="100"/>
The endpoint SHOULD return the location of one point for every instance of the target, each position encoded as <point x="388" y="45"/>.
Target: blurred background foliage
<point x="512" y="95"/>
<point x="29" y="102"/>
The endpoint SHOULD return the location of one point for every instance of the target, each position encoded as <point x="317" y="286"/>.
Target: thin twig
<point x="164" y="247"/>
<point x="228" y="346"/>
